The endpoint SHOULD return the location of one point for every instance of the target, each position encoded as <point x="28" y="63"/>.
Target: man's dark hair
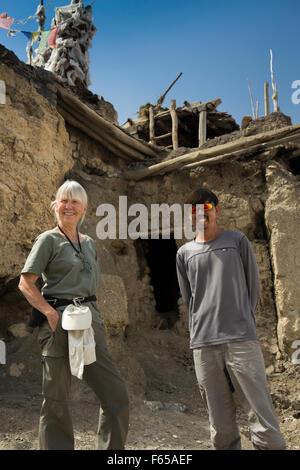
<point x="201" y="196"/>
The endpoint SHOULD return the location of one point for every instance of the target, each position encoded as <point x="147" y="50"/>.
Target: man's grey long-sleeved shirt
<point x="219" y="283"/>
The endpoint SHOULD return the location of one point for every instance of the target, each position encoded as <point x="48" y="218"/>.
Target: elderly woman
<point x="67" y="262"/>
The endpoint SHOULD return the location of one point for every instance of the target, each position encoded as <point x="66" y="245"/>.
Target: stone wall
<point x="34" y="156"/>
<point x="283" y="222"/>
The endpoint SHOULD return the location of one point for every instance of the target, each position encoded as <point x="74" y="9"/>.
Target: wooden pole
<point x="267" y="102"/>
<point x="274" y="85"/>
<point x="151" y="125"/>
<point x="41" y="16"/>
<point x="251" y="98"/>
<point x="161" y="99"/>
<point x="174" y="124"/>
<point x="202" y="128"/>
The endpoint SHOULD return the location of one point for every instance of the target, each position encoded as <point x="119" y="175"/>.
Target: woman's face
<point x="69" y="210"/>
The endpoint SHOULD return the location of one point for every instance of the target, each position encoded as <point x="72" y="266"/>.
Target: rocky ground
<point x="166" y="409"/>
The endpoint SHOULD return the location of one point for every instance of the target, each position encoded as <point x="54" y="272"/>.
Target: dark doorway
<point x="294" y="165"/>
<point x="160" y="256"/>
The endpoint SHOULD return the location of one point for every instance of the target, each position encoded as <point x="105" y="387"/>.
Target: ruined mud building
<point x="49" y="133"/>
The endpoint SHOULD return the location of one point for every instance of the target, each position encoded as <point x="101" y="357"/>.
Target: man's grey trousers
<point x="56" y="430"/>
<point x="230" y="374"/>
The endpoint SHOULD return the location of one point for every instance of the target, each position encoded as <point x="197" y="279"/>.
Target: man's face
<point x="206" y="214"/>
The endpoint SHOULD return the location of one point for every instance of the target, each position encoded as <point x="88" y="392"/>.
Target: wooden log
<point x="117" y="148"/>
<point x="159" y="137"/>
<point x="112" y="129"/>
<point x="257" y="108"/>
<point x="106" y="139"/>
<point x="267" y="102"/>
<point x="274" y="85"/>
<point x="174" y="124"/>
<point x="202" y="128"/>
<point x="251" y="99"/>
<point x="74" y="122"/>
<point x="151" y="125"/>
<point x="185" y="110"/>
<point x="240" y="144"/>
<point x="262" y="148"/>
<point x="86" y="125"/>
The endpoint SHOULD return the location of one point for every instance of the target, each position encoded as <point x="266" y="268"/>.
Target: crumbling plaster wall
<point x="34" y="154"/>
<point x="283" y="222"/>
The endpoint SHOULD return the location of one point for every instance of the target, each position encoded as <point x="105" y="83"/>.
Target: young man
<point x="219" y="282"/>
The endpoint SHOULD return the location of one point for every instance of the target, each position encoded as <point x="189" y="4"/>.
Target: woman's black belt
<point x="36" y="317"/>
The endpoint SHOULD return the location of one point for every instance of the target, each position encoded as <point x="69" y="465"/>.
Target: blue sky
<point x="142" y="45"/>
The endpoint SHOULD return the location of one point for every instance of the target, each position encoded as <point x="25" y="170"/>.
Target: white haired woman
<point x="67" y="261"/>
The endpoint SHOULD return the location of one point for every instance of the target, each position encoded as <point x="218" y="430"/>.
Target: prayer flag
<point x="31" y="36"/>
<point x="34" y="36"/>
<point x="5" y="21"/>
<point x="43" y="44"/>
<point x="52" y="37"/>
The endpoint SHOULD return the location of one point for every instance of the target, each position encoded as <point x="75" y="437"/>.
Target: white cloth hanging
<point x="81" y="350"/>
<point x="77" y="320"/>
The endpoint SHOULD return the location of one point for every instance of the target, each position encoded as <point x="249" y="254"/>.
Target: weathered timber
<point x="163" y="136"/>
<point x="195" y="109"/>
<point x="162" y="97"/>
<point x="259" y="148"/>
<point x="202" y="128"/>
<point x="95" y="135"/>
<point x="267" y="101"/>
<point x="174" y="118"/>
<point x="274" y="85"/>
<point x="89" y="127"/>
<point x="151" y="125"/>
<point x="112" y="144"/>
<point x="244" y="143"/>
<point x="113" y="133"/>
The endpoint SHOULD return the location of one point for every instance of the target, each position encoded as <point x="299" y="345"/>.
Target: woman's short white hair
<point x="70" y="189"/>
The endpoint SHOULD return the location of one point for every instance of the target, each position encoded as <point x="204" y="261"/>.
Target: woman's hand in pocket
<point x="52" y="317"/>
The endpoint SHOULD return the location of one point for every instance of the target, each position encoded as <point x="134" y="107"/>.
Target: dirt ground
<point x="166" y="408"/>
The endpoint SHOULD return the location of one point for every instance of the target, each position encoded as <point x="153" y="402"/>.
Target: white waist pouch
<point x="76" y="317"/>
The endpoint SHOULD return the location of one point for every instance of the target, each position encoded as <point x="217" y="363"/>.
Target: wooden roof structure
<point x="152" y="159"/>
<point x="156" y="124"/>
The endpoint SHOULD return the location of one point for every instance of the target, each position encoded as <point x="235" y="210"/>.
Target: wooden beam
<point x="74" y="122"/>
<point x="202" y="128"/>
<point x="196" y="109"/>
<point x="267" y="102"/>
<point x="174" y="124"/>
<point x="261" y="148"/>
<point x="113" y="145"/>
<point x="274" y="85"/>
<point x="159" y="137"/>
<point x="82" y="110"/>
<point x="151" y="125"/>
<point x="243" y="143"/>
